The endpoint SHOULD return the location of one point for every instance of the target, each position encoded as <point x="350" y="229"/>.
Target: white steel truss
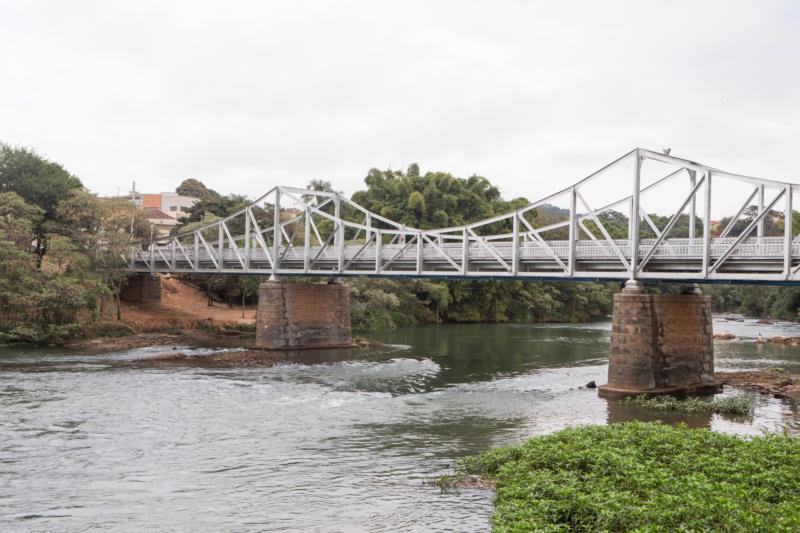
<point x="291" y="231"/>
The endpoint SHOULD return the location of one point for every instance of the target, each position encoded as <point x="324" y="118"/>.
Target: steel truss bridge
<point x="292" y="231"/>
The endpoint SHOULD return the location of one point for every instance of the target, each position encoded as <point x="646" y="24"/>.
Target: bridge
<point x="292" y="231"/>
<point x="660" y="343"/>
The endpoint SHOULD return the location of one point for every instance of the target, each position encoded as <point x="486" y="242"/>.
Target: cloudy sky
<point x="533" y="95"/>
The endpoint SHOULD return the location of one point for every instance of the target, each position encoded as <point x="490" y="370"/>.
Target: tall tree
<point x="39" y="182"/>
<point x="194" y="188"/>
<point x="102" y="228"/>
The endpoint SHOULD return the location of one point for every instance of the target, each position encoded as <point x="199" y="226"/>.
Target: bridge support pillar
<point x="296" y="316"/>
<point x="660" y="344"/>
<point x="141" y="288"/>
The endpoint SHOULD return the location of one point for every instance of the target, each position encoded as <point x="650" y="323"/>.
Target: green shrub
<point x="731" y="405"/>
<point x="644" y="477"/>
<point x="113" y="329"/>
<point x="247" y="327"/>
<point x="45" y="334"/>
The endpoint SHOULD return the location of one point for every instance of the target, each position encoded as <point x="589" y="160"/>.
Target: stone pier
<point x="141" y="288"/>
<point x="660" y="344"/>
<point x="296" y="316"/>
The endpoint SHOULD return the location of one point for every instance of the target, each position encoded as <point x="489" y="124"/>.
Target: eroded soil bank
<point x="776" y="383"/>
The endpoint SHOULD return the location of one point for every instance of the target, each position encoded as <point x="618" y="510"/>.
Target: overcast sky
<point x="532" y="95"/>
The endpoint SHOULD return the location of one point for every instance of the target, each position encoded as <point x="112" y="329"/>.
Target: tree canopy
<point x="38" y="181"/>
<point x="194" y="188"/>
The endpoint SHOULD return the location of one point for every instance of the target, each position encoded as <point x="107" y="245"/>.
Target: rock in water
<point x="591" y="385"/>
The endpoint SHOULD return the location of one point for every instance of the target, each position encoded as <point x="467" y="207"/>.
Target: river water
<point x="344" y="441"/>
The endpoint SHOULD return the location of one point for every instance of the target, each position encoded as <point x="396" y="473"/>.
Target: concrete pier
<point x="141" y="288"/>
<point x="296" y="316"/>
<point x="660" y="344"/>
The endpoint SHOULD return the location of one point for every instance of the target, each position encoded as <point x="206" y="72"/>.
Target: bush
<point x="644" y="477"/>
<point x="44" y="334"/>
<point x="731" y="405"/>
<point x="113" y="329"/>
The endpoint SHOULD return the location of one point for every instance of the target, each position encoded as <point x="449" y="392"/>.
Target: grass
<point x="731" y="405"/>
<point x="643" y="476"/>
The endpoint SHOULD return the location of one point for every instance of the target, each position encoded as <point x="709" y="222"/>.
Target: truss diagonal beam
<point x="480" y="240"/>
<point x="541" y="242"/>
<point x="602" y="229"/>
<point x="671" y="223"/>
<point x="749" y="229"/>
<point x="741" y="210"/>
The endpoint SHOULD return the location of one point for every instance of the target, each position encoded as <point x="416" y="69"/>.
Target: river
<point x="345" y="442"/>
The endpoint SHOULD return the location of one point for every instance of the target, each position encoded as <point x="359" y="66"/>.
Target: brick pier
<point x="141" y="288"/>
<point x="660" y="344"/>
<point x="293" y="316"/>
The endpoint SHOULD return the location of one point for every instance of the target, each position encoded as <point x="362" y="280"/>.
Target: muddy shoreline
<point x="194" y="338"/>
<point x="777" y="383"/>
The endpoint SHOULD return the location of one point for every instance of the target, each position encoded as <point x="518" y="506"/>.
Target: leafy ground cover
<point x="643" y="476"/>
<point x="732" y="405"/>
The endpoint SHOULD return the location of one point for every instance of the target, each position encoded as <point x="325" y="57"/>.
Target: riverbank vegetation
<point x="643" y="477"/>
<point x="60" y="250"/>
<point x="741" y="404"/>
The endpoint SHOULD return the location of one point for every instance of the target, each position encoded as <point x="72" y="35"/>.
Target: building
<point x="164" y="210"/>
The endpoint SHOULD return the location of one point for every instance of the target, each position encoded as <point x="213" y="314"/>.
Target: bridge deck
<point x="674" y="259"/>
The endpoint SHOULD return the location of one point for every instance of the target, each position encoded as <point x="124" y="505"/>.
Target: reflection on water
<point x="321" y="441"/>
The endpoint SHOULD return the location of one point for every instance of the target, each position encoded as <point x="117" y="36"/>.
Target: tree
<point x="220" y="206"/>
<point x="18" y="220"/>
<point x="39" y="182"/>
<point x="102" y="228"/>
<point x="195" y="189"/>
<point x="438" y="199"/>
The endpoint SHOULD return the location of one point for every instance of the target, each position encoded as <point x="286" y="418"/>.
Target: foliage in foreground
<point x="642" y="476"/>
<point x="732" y="405"/>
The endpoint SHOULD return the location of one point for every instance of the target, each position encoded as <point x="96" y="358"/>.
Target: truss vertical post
<point x="464" y="252"/>
<point x="515" y="245"/>
<point x="196" y="252"/>
<point x="573" y="228"/>
<point x="787" y="232"/>
<point x="307" y="240"/>
<point x="633" y="232"/>
<point x="247" y="239"/>
<point x="276" y="235"/>
<point x="172" y="258"/>
<point x="760" y="227"/>
<point x="707" y="227"/>
<point x="151" y="251"/>
<point x="693" y="205"/>
<point x="220" y="244"/>
<point x="338" y="238"/>
<point x="378" y="251"/>
<point x="369" y="226"/>
<point x="420" y="250"/>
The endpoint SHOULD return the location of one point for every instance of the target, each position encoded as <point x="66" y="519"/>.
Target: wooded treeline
<point x="62" y="248"/>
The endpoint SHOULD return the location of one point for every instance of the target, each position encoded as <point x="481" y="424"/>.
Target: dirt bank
<point x="776" y="383"/>
<point x="184" y="306"/>
<point x="182" y="317"/>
